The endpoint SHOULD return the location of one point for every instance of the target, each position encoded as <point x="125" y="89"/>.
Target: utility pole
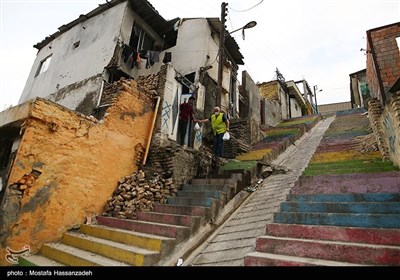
<point x="224" y="13"/>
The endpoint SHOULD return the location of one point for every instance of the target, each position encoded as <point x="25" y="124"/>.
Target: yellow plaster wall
<point x="81" y="162"/>
<point x="269" y="90"/>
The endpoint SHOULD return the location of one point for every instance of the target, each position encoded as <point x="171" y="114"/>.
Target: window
<point x="398" y="42"/>
<point x="140" y="40"/>
<point x="44" y="65"/>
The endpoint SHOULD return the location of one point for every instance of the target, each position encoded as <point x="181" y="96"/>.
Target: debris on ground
<point x="267" y="169"/>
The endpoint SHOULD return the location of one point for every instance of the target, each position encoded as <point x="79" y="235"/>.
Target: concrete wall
<point x="79" y="163"/>
<point x="97" y="39"/>
<point x="272" y="115"/>
<point x="295" y="108"/>
<point x="197" y="47"/>
<point x="390" y="120"/>
<point x="275" y="103"/>
<point x="253" y="94"/>
<point x="334" y="107"/>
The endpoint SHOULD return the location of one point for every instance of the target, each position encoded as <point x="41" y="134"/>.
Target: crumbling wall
<point x="68" y="165"/>
<point x="391" y="128"/>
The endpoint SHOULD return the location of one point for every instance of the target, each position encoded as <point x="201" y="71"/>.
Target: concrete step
<point x="349" y="170"/>
<point x="223" y="196"/>
<point x="192" y="222"/>
<point x="72" y="256"/>
<point x="130" y="254"/>
<point x="346" y="197"/>
<point x="233" y="182"/>
<point x="330" y="250"/>
<point x="348" y="183"/>
<point x="37" y="260"/>
<point x="339" y="219"/>
<point x="344" y="234"/>
<point x="143" y="240"/>
<point x="173" y="231"/>
<point x="342" y="207"/>
<point x="267" y="259"/>
<point x="199" y="211"/>
<point x="229" y="189"/>
<point x="214" y="205"/>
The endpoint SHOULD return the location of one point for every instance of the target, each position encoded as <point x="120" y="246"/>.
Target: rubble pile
<point x="138" y="192"/>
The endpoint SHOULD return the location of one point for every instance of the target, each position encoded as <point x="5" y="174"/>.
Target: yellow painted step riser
<point x="64" y="257"/>
<point x="104" y="250"/>
<point x="340" y="156"/>
<point x="139" y="241"/>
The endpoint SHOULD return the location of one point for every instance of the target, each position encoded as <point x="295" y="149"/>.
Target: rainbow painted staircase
<point x="343" y="211"/>
<point x="156" y="236"/>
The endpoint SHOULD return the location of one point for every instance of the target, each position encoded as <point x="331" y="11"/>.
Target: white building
<point x="73" y="65"/>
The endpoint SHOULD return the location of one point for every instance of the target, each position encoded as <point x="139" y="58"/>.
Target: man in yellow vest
<point x="220" y="125"/>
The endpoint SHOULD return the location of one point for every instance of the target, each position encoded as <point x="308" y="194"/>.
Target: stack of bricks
<point x="239" y="142"/>
<point x="138" y="192"/>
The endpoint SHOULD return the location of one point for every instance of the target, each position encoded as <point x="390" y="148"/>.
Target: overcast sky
<point x="318" y="41"/>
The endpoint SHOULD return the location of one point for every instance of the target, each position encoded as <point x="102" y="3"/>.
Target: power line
<point x="246" y="9"/>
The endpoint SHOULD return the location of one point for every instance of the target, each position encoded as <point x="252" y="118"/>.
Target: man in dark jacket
<point x="185" y="116"/>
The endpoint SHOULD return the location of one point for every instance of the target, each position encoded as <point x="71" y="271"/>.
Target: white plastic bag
<point x="196" y="127"/>
<point x="226" y="136"/>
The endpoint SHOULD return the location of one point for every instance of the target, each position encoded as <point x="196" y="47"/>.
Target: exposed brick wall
<point x="382" y="44"/>
<point x="80" y="159"/>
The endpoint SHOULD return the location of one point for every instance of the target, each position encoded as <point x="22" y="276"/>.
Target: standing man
<point x="185" y="115"/>
<point x="220" y="125"/>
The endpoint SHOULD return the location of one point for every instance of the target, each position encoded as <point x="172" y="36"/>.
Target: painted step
<point x="342" y="207"/>
<point x="72" y="256"/>
<point x="233" y="182"/>
<point x="37" y="260"/>
<point x="114" y="250"/>
<point x="198" y="211"/>
<point x="348" y="164"/>
<point x="223" y="196"/>
<point x="143" y="240"/>
<point x="372" y="169"/>
<point x="348" y="183"/>
<point x="192" y="222"/>
<point x="193" y="201"/>
<point x="173" y="231"/>
<point x="214" y="205"/>
<point x="346" y="197"/>
<point x="267" y="259"/>
<point x="229" y="189"/>
<point x="329" y="250"/>
<point x="339" y="219"/>
<point x="344" y="234"/>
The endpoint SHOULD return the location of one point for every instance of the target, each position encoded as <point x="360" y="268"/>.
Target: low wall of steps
<point x="149" y="240"/>
<point x="334" y="229"/>
<point x="339" y="216"/>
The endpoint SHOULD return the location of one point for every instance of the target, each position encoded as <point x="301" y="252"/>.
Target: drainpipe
<point x="151" y="130"/>
<point x="101" y="93"/>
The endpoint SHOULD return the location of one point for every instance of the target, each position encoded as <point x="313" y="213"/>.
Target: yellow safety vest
<point x="217" y="124"/>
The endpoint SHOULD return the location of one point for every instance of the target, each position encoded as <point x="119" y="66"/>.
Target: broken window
<point x="44" y="65"/>
<point x="140" y="40"/>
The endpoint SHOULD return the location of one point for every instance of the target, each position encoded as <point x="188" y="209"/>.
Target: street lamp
<point x="315" y="97"/>
<point x="250" y="24"/>
<point x="222" y="35"/>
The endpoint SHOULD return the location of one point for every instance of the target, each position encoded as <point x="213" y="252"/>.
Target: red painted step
<point x="376" y="236"/>
<point x="330" y="250"/>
